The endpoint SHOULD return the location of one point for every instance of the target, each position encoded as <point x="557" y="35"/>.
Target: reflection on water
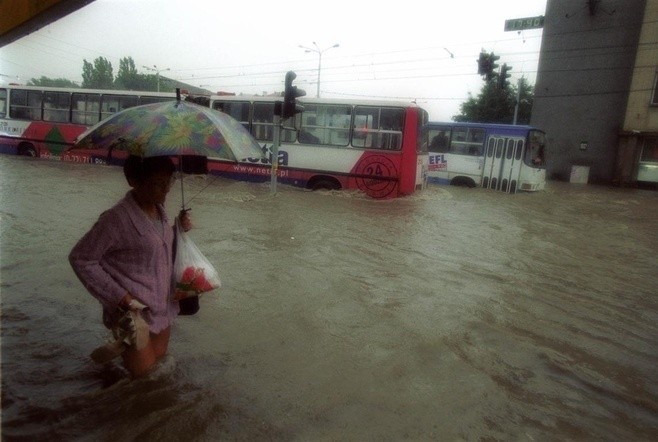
<point x="453" y="314"/>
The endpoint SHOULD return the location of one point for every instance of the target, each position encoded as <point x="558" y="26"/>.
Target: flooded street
<point x="454" y="314"/>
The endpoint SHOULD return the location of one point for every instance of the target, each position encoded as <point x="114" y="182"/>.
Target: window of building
<point x="654" y="96"/>
<point x="650" y="150"/>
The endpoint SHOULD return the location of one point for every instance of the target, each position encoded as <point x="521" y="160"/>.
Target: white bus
<point x="372" y="146"/>
<point x="502" y="157"/>
<point x="44" y="121"/>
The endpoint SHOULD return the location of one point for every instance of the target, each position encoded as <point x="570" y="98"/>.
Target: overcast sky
<point x="410" y="50"/>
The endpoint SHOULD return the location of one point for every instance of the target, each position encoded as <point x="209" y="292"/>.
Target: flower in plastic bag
<point x="192" y="282"/>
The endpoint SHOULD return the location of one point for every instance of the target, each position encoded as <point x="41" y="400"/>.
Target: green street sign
<point x="519" y="24"/>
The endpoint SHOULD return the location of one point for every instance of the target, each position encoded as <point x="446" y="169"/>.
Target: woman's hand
<point x="130" y="303"/>
<point x="125" y="301"/>
<point x="185" y="220"/>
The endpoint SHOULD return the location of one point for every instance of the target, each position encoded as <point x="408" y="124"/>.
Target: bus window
<point x="3" y="103"/>
<point x="56" y="106"/>
<point x="510" y="149"/>
<point x="378" y="128"/>
<point x="111" y="104"/>
<point x="147" y="99"/>
<point x="25" y="104"/>
<point x="467" y="141"/>
<point x="421" y="143"/>
<point x="391" y="126"/>
<point x="262" y="123"/>
<point x="535" y="151"/>
<point x="490" y="149"/>
<point x="86" y="109"/>
<point x="439" y="140"/>
<point x="519" y="150"/>
<point x="325" y="124"/>
<point x="236" y="109"/>
<point x="499" y="147"/>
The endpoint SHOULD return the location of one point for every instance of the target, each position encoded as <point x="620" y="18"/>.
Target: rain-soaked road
<point x="455" y="314"/>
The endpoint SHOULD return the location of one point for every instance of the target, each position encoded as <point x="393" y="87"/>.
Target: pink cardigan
<point x="125" y="252"/>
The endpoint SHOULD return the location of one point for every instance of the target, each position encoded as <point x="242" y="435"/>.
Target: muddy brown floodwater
<point x="454" y="314"/>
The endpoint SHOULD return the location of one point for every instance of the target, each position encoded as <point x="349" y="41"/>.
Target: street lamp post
<point x="318" y="51"/>
<point x="157" y="73"/>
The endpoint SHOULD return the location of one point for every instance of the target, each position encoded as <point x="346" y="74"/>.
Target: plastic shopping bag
<point x="193" y="273"/>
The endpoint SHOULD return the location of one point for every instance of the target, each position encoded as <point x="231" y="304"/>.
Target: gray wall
<point x="585" y="69"/>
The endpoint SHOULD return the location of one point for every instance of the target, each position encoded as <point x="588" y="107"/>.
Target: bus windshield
<point x="534" y="155"/>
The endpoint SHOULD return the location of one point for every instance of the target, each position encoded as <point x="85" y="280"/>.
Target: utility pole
<point x="518" y="97"/>
<point x="275" y="145"/>
<point x="318" y="51"/>
<point x="284" y="110"/>
<point x="157" y="73"/>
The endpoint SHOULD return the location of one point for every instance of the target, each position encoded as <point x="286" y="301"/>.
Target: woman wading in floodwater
<point x="125" y="261"/>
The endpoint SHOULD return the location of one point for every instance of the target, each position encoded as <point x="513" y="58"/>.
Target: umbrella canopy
<point x="172" y="128"/>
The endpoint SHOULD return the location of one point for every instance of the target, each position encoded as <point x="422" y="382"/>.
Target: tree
<point x="496" y="105"/>
<point x="52" y="82"/>
<point x="127" y="76"/>
<point x="526" y="98"/>
<point x="99" y="75"/>
<point x="149" y="82"/>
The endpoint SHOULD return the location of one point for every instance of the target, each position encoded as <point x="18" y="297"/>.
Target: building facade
<point x="597" y="57"/>
<point x="637" y="159"/>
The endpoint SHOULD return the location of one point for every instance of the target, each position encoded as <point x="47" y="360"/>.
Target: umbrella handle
<point x="180" y="173"/>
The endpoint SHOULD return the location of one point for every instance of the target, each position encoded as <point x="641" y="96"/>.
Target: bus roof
<point x="311" y="100"/>
<point x="89" y="91"/>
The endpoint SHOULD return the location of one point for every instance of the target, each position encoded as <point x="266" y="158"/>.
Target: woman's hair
<point x="137" y="169"/>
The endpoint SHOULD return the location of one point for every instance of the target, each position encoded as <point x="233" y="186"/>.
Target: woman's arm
<point x="86" y="256"/>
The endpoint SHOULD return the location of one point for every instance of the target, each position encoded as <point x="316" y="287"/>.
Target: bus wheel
<point x="463" y="182"/>
<point x="27" y="149"/>
<point x="323" y="184"/>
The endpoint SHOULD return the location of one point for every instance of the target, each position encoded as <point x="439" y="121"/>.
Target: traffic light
<point x="483" y="63"/>
<point x="493" y="65"/>
<point x="290" y="106"/>
<point x="504" y="75"/>
<point x="487" y="64"/>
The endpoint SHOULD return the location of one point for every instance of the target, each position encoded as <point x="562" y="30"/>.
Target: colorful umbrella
<point x="172" y="128"/>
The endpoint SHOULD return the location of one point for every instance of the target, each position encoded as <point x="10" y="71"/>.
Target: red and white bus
<point x="44" y="121"/>
<point x="372" y="146"/>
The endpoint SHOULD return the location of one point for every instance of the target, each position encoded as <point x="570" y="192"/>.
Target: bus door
<point x="493" y="163"/>
<point x="488" y="161"/>
<point x="502" y="164"/>
<point x="510" y="166"/>
<point x="515" y="170"/>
